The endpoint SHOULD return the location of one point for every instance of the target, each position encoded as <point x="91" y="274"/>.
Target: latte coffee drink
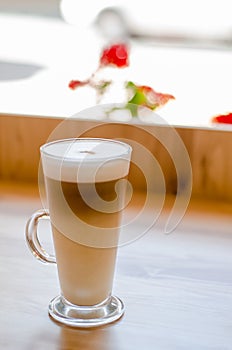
<point x="85" y="181"/>
<point x="81" y="283"/>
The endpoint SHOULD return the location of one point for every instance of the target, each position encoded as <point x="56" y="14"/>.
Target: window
<point x="179" y="47"/>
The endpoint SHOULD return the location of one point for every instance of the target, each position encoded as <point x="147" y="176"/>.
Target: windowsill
<point x="37" y="70"/>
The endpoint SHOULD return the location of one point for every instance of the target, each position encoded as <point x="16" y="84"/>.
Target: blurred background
<point x="31" y="7"/>
<point x="179" y="47"/>
<point x="169" y="19"/>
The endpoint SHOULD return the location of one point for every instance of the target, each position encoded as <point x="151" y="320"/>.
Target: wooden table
<point x="177" y="288"/>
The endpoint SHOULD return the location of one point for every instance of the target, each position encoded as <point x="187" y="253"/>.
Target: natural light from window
<point x="178" y="47"/>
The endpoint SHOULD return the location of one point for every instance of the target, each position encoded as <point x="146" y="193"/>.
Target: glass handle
<point x="32" y="237"/>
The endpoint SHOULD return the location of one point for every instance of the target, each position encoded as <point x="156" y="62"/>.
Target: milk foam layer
<point x="85" y="160"/>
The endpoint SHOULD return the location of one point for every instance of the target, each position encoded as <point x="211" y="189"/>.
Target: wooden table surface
<point x="177" y="288"/>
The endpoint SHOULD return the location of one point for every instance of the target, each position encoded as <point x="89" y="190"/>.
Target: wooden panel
<point x="212" y="164"/>
<point x="20" y="139"/>
<point x="208" y="151"/>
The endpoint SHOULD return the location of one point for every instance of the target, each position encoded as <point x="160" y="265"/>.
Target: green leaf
<point x="133" y="108"/>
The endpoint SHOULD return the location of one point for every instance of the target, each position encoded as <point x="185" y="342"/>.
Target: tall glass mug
<point x="85" y="180"/>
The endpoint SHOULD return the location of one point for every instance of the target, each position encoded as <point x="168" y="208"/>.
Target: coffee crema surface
<point x="86" y="160"/>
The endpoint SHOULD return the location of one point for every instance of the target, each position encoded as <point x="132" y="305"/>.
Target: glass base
<point x="86" y="316"/>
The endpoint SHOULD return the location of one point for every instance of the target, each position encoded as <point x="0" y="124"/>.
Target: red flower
<point x="223" y="118"/>
<point x="76" y="83"/>
<point x="138" y="95"/>
<point x="116" y="55"/>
